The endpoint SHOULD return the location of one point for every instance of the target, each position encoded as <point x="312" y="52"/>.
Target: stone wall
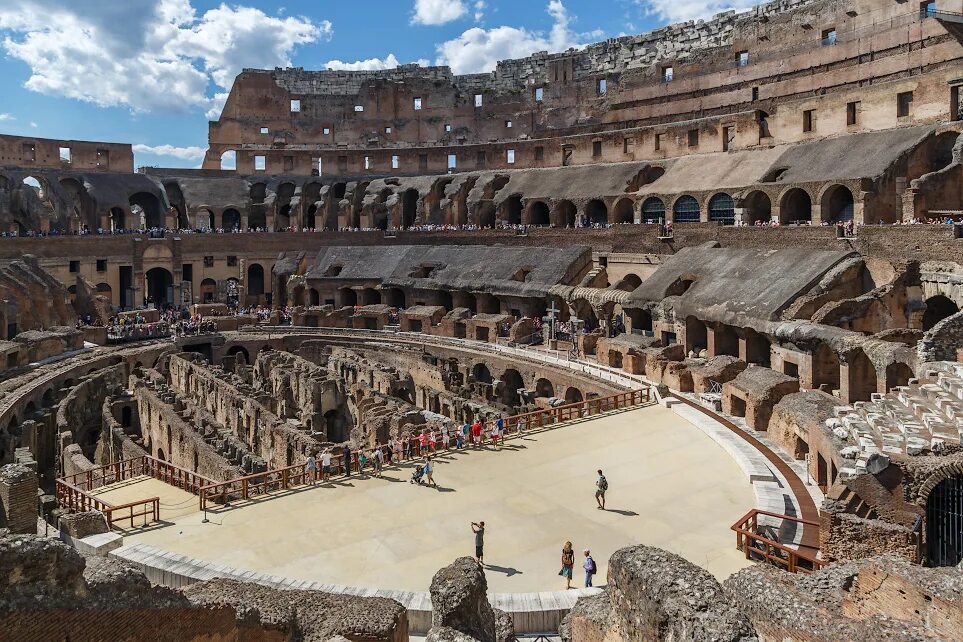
<point x="18" y="499"/>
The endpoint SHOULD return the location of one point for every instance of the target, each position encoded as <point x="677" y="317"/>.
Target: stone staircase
<point x="924" y="416"/>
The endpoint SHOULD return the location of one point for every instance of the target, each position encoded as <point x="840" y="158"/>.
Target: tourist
<point x="459" y="437"/>
<point x="312" y="469"/>
<point x="346" y="459"/>
<point x="377" y="456"/>
<point x="445" y="437"/>
<point x="494" y="430"/>
<point x="429" y="471"/>
<point x="568" y="563"/>
<point x="476" y="433"/>
<point x="399" y="448"/>
<point x="478" y="528"/>
<point x="362" y="460"/>
<point x="408" y="445"/>
<point x="601" y="485"/>
<point x="422" y="442"/>
<point x="325" y="465"/>
<point x="465" y="433"/>
<point x="433" y="440"/>
<point x="500" y="424"/>
<point x="590" y="568"/>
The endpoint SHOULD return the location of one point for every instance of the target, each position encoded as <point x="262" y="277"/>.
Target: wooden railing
<point x="758" y="546"/>
<point x="74" y="492"/>
<point x="251" y="486"/>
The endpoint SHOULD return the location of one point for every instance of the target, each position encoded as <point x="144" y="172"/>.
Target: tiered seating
<point x="926" y="415"/>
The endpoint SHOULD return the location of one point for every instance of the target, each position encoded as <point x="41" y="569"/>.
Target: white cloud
<point x="183" y="153"/>
<point x="371" y="64"/>
<point x="4" y="117"/>
<point x="33" y="124"/>
<point x="477" y="50"/>
<point x="479" y="7"/>
<point x="683" y="10"/>
<point x="437" y="12"/>
<point x="146" y="54"/>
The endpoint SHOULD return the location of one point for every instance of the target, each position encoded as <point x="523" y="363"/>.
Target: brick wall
<point x="18" y="499"/>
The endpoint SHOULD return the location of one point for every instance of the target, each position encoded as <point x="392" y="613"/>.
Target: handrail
<point x="123" y="469"/>
<point x="75" y="499"/>
<point x="248" y="486"/>
<point x="753" y="544"/>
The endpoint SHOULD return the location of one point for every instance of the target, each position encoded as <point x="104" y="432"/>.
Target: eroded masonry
<point x="755" y="220"/>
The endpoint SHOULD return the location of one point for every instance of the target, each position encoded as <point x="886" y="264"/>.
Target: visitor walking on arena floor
<point x="377" y="455"/>
<point x="430" y="471"/>
<point x="312" y="465"/>
<point x="601" y="485"/>
<point x="325" y="465"/>
<point x="590" y="568"/>
<point x="346" y="459"/>
<point x="476" y="431"/>
<point x="568" y="563"/>
<point x="478" y="528"/>
<point x="495" y="433"/>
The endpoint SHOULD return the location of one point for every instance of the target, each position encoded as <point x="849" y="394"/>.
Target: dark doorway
<point x="159" y="287"/>
<point x="944" y="523"/>
<point x="938" y="308"/>
<point x="409" y="208"/>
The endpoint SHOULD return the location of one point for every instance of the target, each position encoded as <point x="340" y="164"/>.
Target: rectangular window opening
<point x="602" y="86"/>
<point x="904" y="102"/>
<point x="658" y="142"/>
<point x="260" y="163"/>
<point x="481" y="159"/>
<point x="755" y="94"/>
<point x="387" y="130"/>
<point x="478" y="100"/>
<point x="395" y="162"/>
<point x="295" y="106"/>
<point x="726" y="138"/>
<point x="265" y="130"/>
<point x="417" y="103"/>
<point x="508" y="124"/>
<point x="742" y="58"/>
<point x="367" y="162"/>
<point x="326" y="131"/>
<point x="359" y="107"/>
<point x="596" y="148"/>
<point x="539" y="94"/>
<point x="808" y="118"/>
<point x="667" y="74"/>
<point x="101" y="265"/>
<point x="452" y="161"/>
<point x="829" y="37"/>
<point x="539" y="153"/>
<point x="693" y="137"/>
<point x="511" y="157"/>
<point x="74" y="267"/>
<point x="852" y="113"/>
<point x="65" y="155"/>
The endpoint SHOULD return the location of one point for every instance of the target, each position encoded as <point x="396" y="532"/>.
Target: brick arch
<point x="942" y="473"/>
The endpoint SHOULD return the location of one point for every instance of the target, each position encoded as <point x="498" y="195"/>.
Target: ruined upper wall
<point x="77" y="155"/>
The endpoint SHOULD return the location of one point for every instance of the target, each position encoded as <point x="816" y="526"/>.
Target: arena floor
<point x="670" y="486"/>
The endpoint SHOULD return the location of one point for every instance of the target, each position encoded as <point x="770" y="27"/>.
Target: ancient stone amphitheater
<point x="721" y="261"/>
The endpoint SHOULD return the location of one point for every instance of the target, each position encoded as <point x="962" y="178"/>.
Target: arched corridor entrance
<point x="539" y="214"/>
<point x="757" y="207"/>
<point x="624" y="212"/>
<point x="512" y="212"/>
<point x="796" y="207"/>
<point x="511" y="383"/>
<point x="159" y="287"/>
<point x="596" y="212"/>
<point x="409" y="208"/>
<point x="565" y="214"/>
<point x="938" y="308"/>
<point x="255" y="279"/>
<point x="837" y="204"/>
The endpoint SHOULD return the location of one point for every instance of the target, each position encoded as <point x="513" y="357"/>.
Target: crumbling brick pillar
<point x="18" y="499"/>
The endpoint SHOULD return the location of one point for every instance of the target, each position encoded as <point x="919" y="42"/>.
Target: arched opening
<point x="647" y="175"/>
<point x="160" y="454"/>
<point x="837" y="204"/>
<point x="721" y="209"/>
<point x="539" y="214"/>
<point x="208" y="290"/>
<point x="596" y="213"/>
<point x="229" y="160"/>
<point x="256" y="220"/>
<point x="943" y="150"/>
<point x="47" y="401"/>
<point x="258" y="193"/>
<point x="126" y="417"/>
<point x="409" y="208"/>
<point x="117" y="219"/>
<point x="624" y="211"/>
<point x="512" y="210"/>
<point x="310" y="219"/>
<point x="862" y="377"/>
<point x="160" y="284"/>
<point x="204" y="220"/>
<point x="898" y="375"/>
<point x="231" y="220"/>
<point x="944" y="523"/>
<point x="394" y="297"/>
<point x="565" y="214"/>
<point x="481" y="374"/>
<point x="796" y="207"/>
<point x="370" y="296"/>
<point x="758" y="206"/>
<point x="240" y="353"/>
<point x="284" y="217"/>
<point x="255" y="279"/>
<point x="938" y="308"/>
<point x="686" y="210"/>
<point x="151" y="208"/>
<point x="825" y="369"/>
<point x="653" y="210"/>
<point x="336" y="425"/>
<point x="348" y="297"/>
<point x="512" y="382"/>
<point x="314" y="297"/>
<point x="641" y="320"/>
<point x="573" y="395"/>
<point x="544" y="388"/>
<point x="629" y="282"/>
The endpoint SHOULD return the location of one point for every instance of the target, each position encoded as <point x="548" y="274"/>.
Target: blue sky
<point x="151" y="72"/>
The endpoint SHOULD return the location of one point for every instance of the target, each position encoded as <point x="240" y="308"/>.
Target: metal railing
<point x="757" y="545"/>
<point x="259" y="484"/>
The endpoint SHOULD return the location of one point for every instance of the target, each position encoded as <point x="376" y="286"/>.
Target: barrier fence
<point x="74" y="492"/>
<point x="252" y="486"/>
<point x="757" y="545"/>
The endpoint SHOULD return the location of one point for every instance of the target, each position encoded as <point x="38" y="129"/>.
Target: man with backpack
<point x="601" y="485"/>
<point x="590" y="568"/>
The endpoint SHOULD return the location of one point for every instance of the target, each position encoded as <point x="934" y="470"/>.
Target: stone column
<point x="18" y="499"/>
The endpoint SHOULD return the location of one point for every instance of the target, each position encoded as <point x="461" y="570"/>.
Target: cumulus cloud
<point x="682" y="10"/>
<point x="146" y="54"/>
<point x="371" y="64"/>
<point x="477" y="50"/>
<point x="4" y="117"/>
<point x="437" y="12"/>
<point x="183" y="153"/>
<point x="479" y="8"/>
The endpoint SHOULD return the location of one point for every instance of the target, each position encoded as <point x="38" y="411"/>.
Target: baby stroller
<point x="417" y="474"/>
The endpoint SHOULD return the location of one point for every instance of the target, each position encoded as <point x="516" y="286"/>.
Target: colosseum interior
<point x="721" y="261"/>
